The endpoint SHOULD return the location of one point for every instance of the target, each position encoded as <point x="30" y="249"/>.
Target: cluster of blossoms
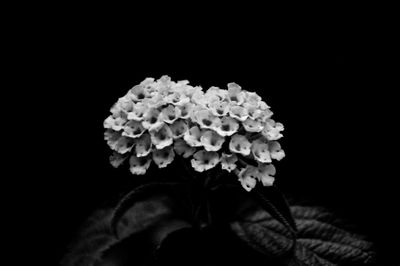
<point x="160" y="119"/>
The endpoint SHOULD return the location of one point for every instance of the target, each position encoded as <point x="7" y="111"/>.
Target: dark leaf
<point x="321" y="239"/>
<point x="134" y="196"/>
<point x="273" y="201"/>
<point x="142" y="227"/>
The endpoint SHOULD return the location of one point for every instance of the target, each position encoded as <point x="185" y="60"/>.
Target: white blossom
<point x="228" y="161"/>
<point x="211" y="140"/>
<point x="240" y="144"/>
<point x="204" y="160"/>
<point x="163" y="157"/>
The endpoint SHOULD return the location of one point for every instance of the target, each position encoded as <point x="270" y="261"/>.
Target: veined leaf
<point x="318" y="242"/>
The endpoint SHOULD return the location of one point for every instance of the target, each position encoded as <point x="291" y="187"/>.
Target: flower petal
<point x="162" y="138"/>
<point x="170" y="114"/>
<point x="163" y="157"/>
<point x="227" y="127"/>
<point x="260" y="151"/>
<point x="192" y="136"/>
<point x="228" y="162"/>
<point x="275" y="150"/>
<point x="239" y="144"/>
<point x="133" y="129"/>
<point x="143" y="145"/>
<point x="117" y="159"/>
<point x="152" y="120"/>
<point x="178" y="128"/>
<point x="251" y="125"/>
<point x="182" y="148"/>
<point x="266" y="172"/>
<point x="139" y="165"/>
<point x="238" y="112"/>
<point x="211" y="140"/>
<point x="204" y="160"/>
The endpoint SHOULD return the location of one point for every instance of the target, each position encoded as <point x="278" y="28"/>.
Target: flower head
<point x="158" y="120"/>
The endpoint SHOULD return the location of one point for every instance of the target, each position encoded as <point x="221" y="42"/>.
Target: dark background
<point x="321" y="79"/>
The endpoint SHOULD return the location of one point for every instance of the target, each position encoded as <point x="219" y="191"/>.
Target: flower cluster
<point x="160" y="119"/>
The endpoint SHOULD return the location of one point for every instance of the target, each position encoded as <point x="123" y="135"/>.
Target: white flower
<point x="252" y="98"/>
<point x="163" y="157"/>
<point x="117" y="159"/>
<point x="199" y="98"/>
<point x="139" y="165"/>
<point x="117" y="142"/>
<point x="152" y="120"/>
<point x="206" y="119"/>
<point x="260" y="151"/>
<point x="275" y="150"/>
<point x="186" y="110"/>
<point x="138" y="93"/>
<point x="248" y="177"/>
<point x="235" y="94"/>
<point x="265" y="174"/>
<point x="170" y="114"/>
<point x="204" y="160"/>
<point x="133" y="129"/>
<point x="182" y="148"/>
<point x="192" y="137"/>
<point x="272" y="130"/>
<point x="177" y="98"/>
<point x="219" y="108"/>
<point x="227" y="127"/>
<point x="138" y="112"/>
<point x="211" y="140"/>
<point x="143" y="145"/>
<point x="228" y="161"/>
<point x="114" y="123"/>
<point x="251" y="125"/>
<point x="239" y="144"/>
<point x="162" y="138"/>
<point x="178" y="128"/>
<point x="238" y="112"/>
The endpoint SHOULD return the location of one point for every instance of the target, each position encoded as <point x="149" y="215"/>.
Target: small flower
<point x="227" y="127"/>
<point x="206" y="119"/>
<point x="139" y="165"/>
<point x="192" y="136"/>
<point x="219" y="108"/>
<point x="170" y="114"/>
<point x="133" y="129"/>
<point x="124" y="145"/>
<point x="211" y="140"/>
<point x="137" y="93"/>
<point x="252" y="98"/>
<point x="117" y="142"/>
<point x="198" y="98"/>
<point x="275" y="149"/>
<point x="117" y="159"/>
<point x="248" y="177"/>
<point x="162" y="138"/>
<point x="178" y="128"/>
<point x="260" y="151"/>
<point x="177" y="98"/>
<point x="204" y="160"/>
<point x="138" y="112"/>
<point x="152" y="120"/>
<point x="272" y="130"/>
<point x="182" y="148"/>
<point x="186" y="110"/>
<point x="228" y="161"/>
<point x="163" y="157"/>
<point x="239" y="144"/>
<point x="251" y="125"/>
<point x="114" y="123"/>
<point x="235" y="94"/>
<point x="238" y="112"/>
<point x="266" y="172"/>
<point x="143" y="145"/>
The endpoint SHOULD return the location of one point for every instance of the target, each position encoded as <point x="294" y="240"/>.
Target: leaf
<point x="144" y="225"/>
<point x="273" y="201"/>
<point x="133" y="197"/>
<point x="321" y="238"/>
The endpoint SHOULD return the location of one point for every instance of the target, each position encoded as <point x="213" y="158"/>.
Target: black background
<point x="320" y="77"/>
